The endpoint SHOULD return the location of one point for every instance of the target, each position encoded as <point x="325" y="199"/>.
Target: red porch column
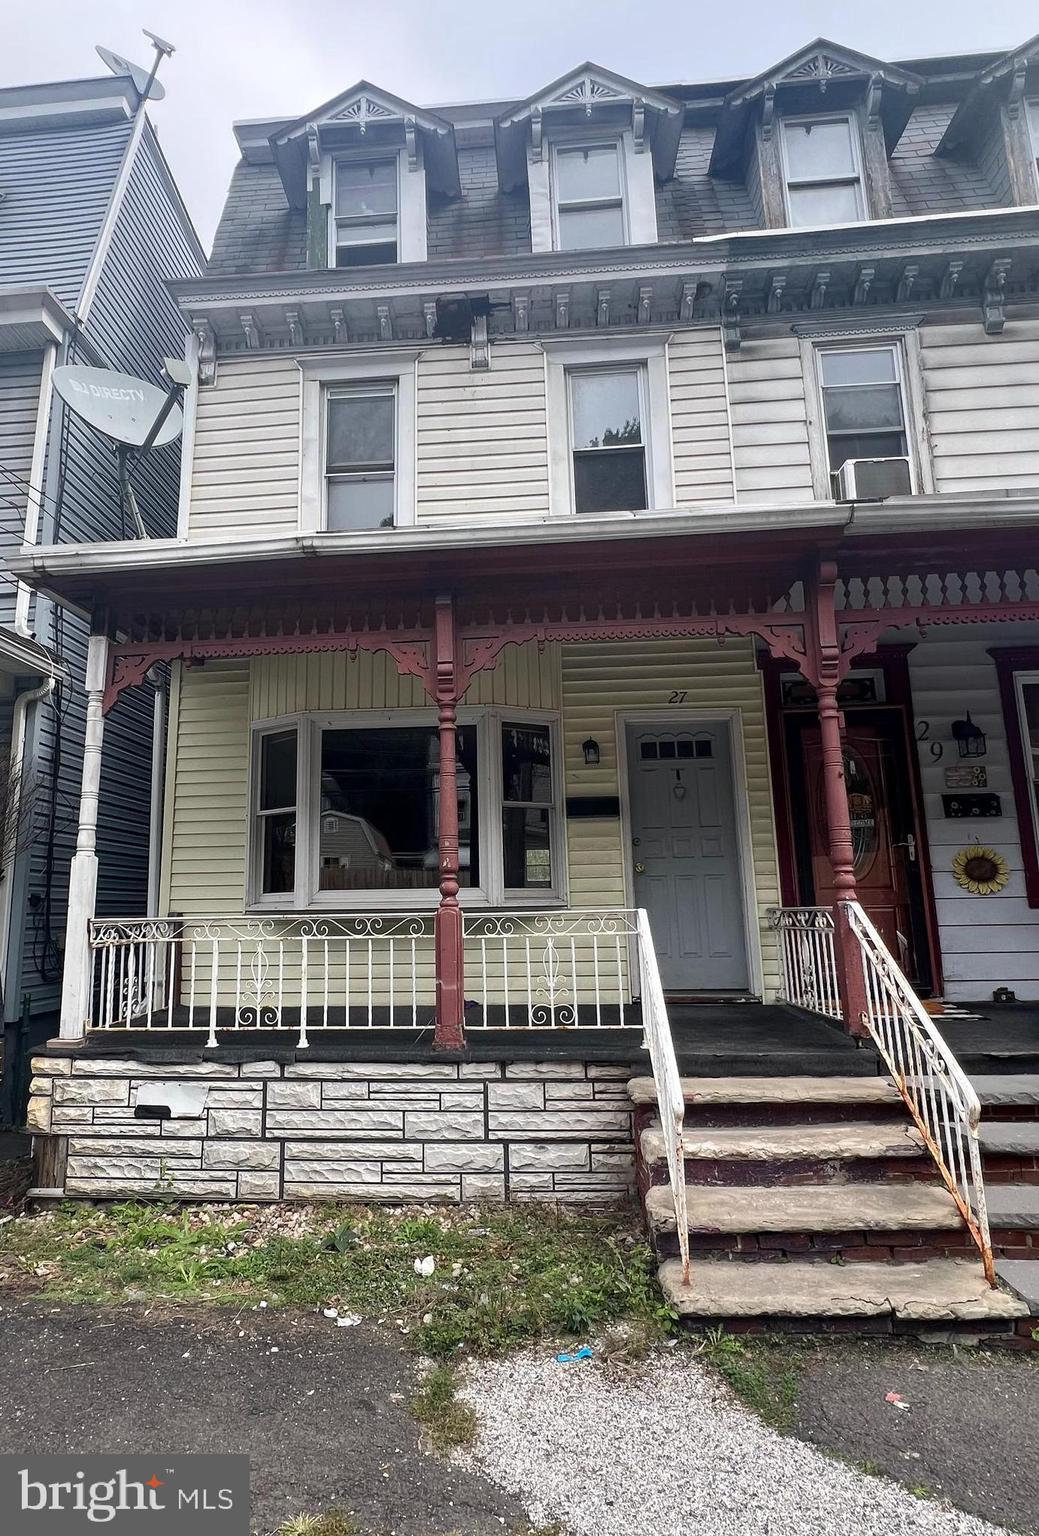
<point x="825" y="657"/>
<point x="448" y="945"/>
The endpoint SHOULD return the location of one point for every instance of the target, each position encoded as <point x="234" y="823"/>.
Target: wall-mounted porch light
<point x="969" y="737"/>
<point x="590" y="748"/>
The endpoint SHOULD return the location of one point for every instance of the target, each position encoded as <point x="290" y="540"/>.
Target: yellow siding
<point x="482" y="435"/>
<point x="699" y="418"/>
<point x="600" y="680"/>
<point x="245" y="475"/>
<point x="209" y="787"/>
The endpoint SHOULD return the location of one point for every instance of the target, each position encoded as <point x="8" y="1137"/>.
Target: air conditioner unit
<point x="872" y="479"/>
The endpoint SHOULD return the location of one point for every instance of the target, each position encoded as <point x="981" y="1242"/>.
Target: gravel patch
<point x="670" y="1450"/>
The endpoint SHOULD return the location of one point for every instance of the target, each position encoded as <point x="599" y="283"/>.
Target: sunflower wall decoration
<point x="982" y="871"/>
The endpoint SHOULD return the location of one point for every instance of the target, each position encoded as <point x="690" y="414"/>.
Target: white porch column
<point x="75" y="984"/>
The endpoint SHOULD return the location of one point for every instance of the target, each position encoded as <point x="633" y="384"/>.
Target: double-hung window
<point x="822" y="171"/>
<point x="360" y="457"/>
<point x="1033" y="124"/>
<point x="863" y="401"/>
<point x="1017" y="669"/>
<point x="589" y="196"/>
<point x="368" y="809"/>
<point x="365" y="212"/>
<point x="608" y="446"/>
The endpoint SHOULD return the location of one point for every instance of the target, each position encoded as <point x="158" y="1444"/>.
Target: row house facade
<point x="606" y="558"/>
<point x="92" y="228"/>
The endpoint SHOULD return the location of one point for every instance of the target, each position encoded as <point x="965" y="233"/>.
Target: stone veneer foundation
<point x="393" y="1131"/>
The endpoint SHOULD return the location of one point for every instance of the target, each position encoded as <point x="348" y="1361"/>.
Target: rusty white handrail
<point x="936" y="1090"/>
<point x="555" y="969"/>
<point x="666" y="1078"/>
<point x="808" y="958"/>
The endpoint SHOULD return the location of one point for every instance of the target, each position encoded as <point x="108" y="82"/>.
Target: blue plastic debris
<point x="584" y="1353"/>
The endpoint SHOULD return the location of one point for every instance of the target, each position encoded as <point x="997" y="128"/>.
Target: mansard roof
<point x="820" y="70"/>
<point x="589" y="92"/>
<point x="365" y="114"/>
<point x="1008" y="72"/>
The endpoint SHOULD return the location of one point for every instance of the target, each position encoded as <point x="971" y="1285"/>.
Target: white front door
<point x="685" y="853"/>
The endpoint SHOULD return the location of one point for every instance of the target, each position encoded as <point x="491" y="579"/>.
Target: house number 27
<point x="679" y="696"/>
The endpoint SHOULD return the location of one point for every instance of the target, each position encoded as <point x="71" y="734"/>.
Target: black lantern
<point x="969" y="737"/>
<point x="590" y="749"/>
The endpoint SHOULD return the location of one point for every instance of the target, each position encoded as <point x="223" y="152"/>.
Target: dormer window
<point x="1033" y="125"/>
<point x="589" y="198"/>
<point x="822" y="171"/>
<point x="365" y="212"/>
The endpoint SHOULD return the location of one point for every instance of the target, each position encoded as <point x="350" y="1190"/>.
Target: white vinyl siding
<point x="702" y="451"/>
<point x="245" y="478"/>
<point x="770" y="422"/>
<point x="986" y="941"/>
<point x="482" y="436"/>
<point x="982" y="397"/>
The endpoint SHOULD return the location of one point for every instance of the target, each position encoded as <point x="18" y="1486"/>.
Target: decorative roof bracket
<point x="993" y="303"/>
<point x="731" y="315"/>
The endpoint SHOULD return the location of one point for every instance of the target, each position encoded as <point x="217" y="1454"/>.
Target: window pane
<point x="606" y="409"/>
<point x="527" y="850"/>
<point x="277" y="770"/>
<point x="360" y="431"/>
<point x="278" y="834"/>
<point x="611" y="481"/>
<point x="363" y="189"/>
<point x="870" y="406"/>
<point x="359" y="502"/>
<point x="526" y="763"/>
<point x="825" y="205"/>
<point x="587" y="173"/>
<point x="866" y="445"/>
<point x="587" y="229"/>
<point x="366" y="255"/>
<point x="864" y="365"/>
<point x="818" y="151"/>
<point x="380" y="793"/>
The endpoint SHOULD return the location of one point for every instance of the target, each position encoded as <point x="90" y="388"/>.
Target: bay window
<point x="822" y="171"/>
<point x="363" y="789"/>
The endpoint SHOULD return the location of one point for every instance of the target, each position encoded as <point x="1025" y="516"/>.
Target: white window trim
<point x="491" y="891"/>
<point x="396" y="368"/>
<point x="562" y="357"/>
<point x="851" y="118"/>
<point x="1032" y="127"/>
<point x="1027" y="677"/>
<point x="638" y="188"/>
<point x="412" y="240"/>
<point x="906" y="346"/>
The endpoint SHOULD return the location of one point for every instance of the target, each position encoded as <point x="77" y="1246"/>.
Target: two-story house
<point x="604" y="590"/>
<point x="91" y="230"/>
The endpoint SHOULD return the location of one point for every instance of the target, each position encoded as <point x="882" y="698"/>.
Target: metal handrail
<point x="808" y="958"/>
<point x="936" y="1090"/>
<point x="666" y="1078"/>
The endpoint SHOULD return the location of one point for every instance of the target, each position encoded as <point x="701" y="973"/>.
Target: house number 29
<point x="679" y="696"/>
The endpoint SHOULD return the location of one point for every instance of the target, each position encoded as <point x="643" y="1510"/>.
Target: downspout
<point x="158" y="788"/>
<point x="16" y="760"/>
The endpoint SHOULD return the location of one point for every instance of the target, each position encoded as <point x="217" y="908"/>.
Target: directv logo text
<point x="105" y="391"/>
<point x="48" y="1495"/>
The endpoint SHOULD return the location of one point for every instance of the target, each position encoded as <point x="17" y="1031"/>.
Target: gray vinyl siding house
<point x="92" y="228"/>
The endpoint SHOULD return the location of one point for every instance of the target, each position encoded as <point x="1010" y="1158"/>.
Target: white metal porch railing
<point x="666" y="1078"/>
<point x="807" y="957"/>
<point x="936" y="1090"/>
<point x="550" y="970"/>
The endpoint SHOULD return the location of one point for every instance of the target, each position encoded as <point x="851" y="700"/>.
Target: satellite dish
<point x="140" y="77"/>
<point x="122" y="407"/>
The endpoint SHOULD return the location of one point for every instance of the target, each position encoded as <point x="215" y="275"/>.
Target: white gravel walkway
<point x="671" y="1452"/>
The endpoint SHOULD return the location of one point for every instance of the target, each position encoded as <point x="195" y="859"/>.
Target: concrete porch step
<point x="1007" y="1090"/>
<point x="1012" y="1206"/>
<point x="809" y="1208"/>
<point x="1009" y="1138"/>
<point x="936" y="1292"/>
<point x="789" y="1143"/>
<point x="838" y="1091"/>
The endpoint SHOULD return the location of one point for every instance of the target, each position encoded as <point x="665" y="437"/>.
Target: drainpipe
<point x="17" y="764"/>
<point x="155" y="811"/>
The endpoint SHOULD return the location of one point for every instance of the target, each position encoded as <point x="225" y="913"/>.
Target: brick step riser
<point x="789" y="1114"/>
<point x="750" y="1171"/>
<point x="1005" y="1335"/>
<point x="992" y="1114"/>
<point x="1015" y="1242"/>
<point x="1008" y="1168"/>
<point x="848" y="1247"/>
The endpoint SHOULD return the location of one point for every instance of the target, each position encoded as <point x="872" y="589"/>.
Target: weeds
<point x="502" y="1277"/>
<point x="448" y="1421"/>
<point x="331" y="1524"/>
<point x="763" y="1374"/>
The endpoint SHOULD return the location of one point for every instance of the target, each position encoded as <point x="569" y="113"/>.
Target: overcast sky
<point x="265" y="58"/>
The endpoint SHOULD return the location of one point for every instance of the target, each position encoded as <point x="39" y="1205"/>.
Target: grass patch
<point x="763" y="1373"/>
<point x="448" y="1421"/>
<point x="502" y="1277"/>
<point x="332" y="1524"/>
